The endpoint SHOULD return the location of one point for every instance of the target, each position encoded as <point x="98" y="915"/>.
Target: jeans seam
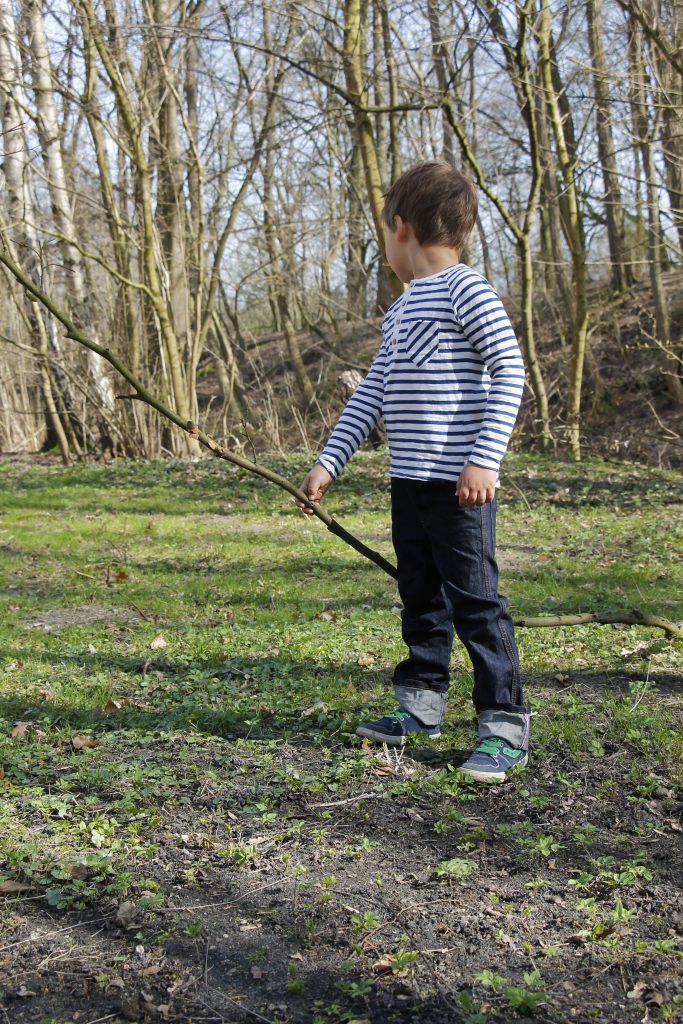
<point x="514" y="689"/>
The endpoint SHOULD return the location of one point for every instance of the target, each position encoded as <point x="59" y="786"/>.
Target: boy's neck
<point x="426" y="260"/>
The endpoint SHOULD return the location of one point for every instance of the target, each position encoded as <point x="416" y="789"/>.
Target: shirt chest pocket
<point x="421" y="340"/>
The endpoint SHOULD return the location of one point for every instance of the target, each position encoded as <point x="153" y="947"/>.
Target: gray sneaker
<point x="492" y="759"/>
<point x="395" y="728"/>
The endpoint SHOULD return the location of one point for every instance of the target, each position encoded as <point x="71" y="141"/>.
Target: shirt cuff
<point x="484" y="462"/>
<point x="332" y="465"/>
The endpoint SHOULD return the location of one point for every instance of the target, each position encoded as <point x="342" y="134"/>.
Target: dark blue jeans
<point x="448" y="582"/>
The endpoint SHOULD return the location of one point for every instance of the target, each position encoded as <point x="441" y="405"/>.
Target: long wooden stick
<point x="141" y="393"/>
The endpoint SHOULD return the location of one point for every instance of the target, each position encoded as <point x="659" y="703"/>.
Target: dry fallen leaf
<point x="158" y="642"/>
<point x="327" y="616"/>
<point x="127" y="914"/>
<point x="256" y="972"/>
<point x="366" y="661"/>
<point x="148" y="971"/>
<point x="111" y="706"/>
<point x="12" y="886"/>
<point x="78" y="742"/>
<point x="643" y="992"/>
<point x="79" y="871"/>
<point x="319" y="705"/>
<point x="21" y="728"/>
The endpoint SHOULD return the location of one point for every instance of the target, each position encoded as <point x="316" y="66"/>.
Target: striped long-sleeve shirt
<point x="447" y="379"/>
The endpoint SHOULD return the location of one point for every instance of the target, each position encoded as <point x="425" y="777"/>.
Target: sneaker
<point x="395" y="728"/>
<point x="492" y="760"/>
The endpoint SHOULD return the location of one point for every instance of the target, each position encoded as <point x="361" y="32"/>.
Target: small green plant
<point x="470" y="1008"/>
<point x="621" y="914"/>
<point x="357" y="989"/>
<point x="582" y="881"/>
<point x="364" y="922"/>
<point x="295" y="985"/>
<point x="403" y="959"/>
<point x="546" y="846"/>
<point x="238" y="853"/>
<point x="456" y="869"/>
<point x="491" y="980"/>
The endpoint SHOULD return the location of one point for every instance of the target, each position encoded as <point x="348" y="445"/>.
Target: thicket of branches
<point x="190" y="178"/>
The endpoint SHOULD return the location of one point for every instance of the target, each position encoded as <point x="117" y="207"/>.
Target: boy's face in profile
<point x="396" y="246"/>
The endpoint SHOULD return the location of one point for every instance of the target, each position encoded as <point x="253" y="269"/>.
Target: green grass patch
<point x="187" y="657"/>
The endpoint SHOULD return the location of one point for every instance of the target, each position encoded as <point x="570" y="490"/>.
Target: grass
<point x="218" y="649"/>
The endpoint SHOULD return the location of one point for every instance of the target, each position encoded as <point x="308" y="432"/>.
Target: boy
<point x="448" y="381"/>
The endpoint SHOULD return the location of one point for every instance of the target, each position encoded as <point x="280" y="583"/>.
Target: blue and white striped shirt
<point x="448" y="380"/>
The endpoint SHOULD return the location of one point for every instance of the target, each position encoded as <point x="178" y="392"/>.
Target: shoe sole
<point x="491" y="776"/>
<point x="392" y="741"/>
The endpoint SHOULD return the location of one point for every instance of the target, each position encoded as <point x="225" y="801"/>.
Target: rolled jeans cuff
<point x="427" y="706"/>
<point x="511" y="726"/>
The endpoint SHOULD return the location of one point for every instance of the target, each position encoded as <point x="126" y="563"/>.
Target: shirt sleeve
<point x="487" y="327"/>
<point x="360" y="415"/>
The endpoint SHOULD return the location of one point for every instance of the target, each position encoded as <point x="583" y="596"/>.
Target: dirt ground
<point x="261" y="941"/>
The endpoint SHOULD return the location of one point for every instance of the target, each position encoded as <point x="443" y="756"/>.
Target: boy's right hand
<point x="314" y="486"/>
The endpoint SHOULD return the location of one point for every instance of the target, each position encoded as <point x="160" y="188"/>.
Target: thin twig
<point x="138" y="609"/>
<point x="233" y="1002"/>
<point x="51" y="935"/>
<point x="223" y="903"/>
<point x="351" y="800"/>
<point x="521" y="493"/>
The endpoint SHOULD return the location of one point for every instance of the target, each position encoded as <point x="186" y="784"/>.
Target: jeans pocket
<point x="422" y="341"/>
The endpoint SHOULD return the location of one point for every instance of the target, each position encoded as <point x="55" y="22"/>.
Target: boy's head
<point x="438" y="202"/>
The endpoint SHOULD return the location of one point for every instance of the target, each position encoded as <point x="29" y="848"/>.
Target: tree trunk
<point x="50" y="139"/>
<point x="671" y="364"/>
<point x="20" y="236"/>
<point x="621" y="269"/>
<point x="354" y="36"/>
<point x="573" y="230"/>
<point x="184" y="398"/>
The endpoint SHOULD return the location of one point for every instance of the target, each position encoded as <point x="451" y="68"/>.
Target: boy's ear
<point x="400" y="228"/>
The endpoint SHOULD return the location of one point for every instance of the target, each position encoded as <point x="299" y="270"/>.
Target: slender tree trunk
<point x="50" y="138"/>
<point x="20" y="236"/>
<point x="356" y="273"/>
<point x="440" y="59"/>
<point x="520" y="73"/>
<point x="551" y="253"/>
<point x="280" y="282"/>
<point x="621" y="269"/>
<point x="132" y="124"/>
<point x="671" y="363"/>
<point x="354" y="36"/>
<point x="574" y="232"/>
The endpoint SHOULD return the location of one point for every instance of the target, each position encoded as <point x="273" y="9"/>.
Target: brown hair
<point x="438" y="202"/>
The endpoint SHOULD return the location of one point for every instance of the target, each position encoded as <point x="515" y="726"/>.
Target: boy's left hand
<point x="476" y="485"/>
